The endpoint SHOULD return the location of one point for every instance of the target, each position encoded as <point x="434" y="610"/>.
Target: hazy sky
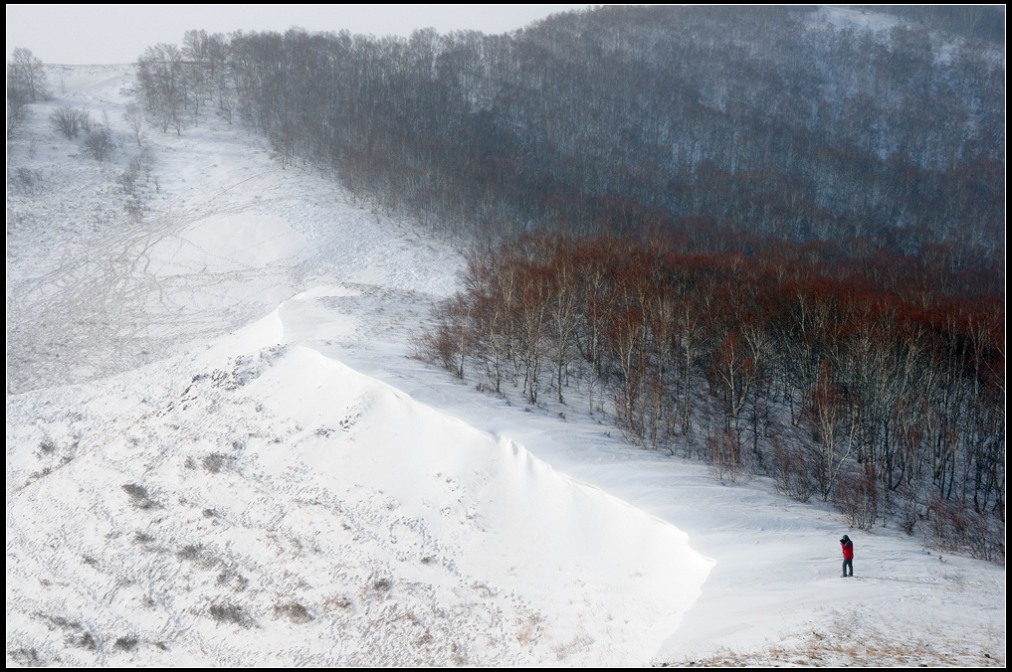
<point x="100" y="34"/>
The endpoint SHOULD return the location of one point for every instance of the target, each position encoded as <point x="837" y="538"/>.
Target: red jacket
<point x="848" y="549"/>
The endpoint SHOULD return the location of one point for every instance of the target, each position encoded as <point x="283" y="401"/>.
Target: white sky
<point x="98" y="34"/>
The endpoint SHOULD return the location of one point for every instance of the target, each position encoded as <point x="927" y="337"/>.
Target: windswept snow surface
<point x="278" y="508"/>
<point x="221" y="452"/>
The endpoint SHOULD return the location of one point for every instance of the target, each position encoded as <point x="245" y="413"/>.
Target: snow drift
<point x="278" y="508"/>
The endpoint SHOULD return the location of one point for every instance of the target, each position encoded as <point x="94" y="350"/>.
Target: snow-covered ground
<point x="220" y="451"/>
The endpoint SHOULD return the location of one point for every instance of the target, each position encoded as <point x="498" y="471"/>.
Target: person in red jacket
<point x="848" y="555"/>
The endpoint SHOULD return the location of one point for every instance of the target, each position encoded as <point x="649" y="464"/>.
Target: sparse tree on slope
<point x="26" y="75"/>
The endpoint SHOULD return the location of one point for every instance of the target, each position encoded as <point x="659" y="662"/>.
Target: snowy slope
<point x="221" y="452"/>
<point x="278" y="508"/>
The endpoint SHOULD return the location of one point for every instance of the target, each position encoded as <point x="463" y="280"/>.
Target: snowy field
<point x="221" y="451"/>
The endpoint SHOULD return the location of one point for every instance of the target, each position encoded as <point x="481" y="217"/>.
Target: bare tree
<point x="26" y="83"/>
<point x="99" y="143"/>
<point x="69" y="122"/>
<point x="160" y="72"/>
<point x="134" y="116"/>
<point x="27" y="75"/>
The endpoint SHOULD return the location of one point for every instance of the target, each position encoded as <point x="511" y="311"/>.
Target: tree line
<point x="866" y="385"/>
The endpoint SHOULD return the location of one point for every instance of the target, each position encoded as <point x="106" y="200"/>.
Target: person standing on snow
<point x="848" y="555"/>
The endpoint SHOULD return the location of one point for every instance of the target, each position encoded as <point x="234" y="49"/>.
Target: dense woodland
<point x="772" y="237"/>
<point x="865" y="385"/>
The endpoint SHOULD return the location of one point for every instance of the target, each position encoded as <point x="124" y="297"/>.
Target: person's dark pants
<point x="848" y="568"/>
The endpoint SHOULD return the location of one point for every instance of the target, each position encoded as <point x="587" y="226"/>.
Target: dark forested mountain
<point x="722" y="125"/>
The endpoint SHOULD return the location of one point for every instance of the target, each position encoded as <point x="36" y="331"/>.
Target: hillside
<point x="722" y="127"/>
<point x="221" y="451"/>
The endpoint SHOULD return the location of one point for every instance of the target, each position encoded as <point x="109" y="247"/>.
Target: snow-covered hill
<point x="220" y="451"/>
